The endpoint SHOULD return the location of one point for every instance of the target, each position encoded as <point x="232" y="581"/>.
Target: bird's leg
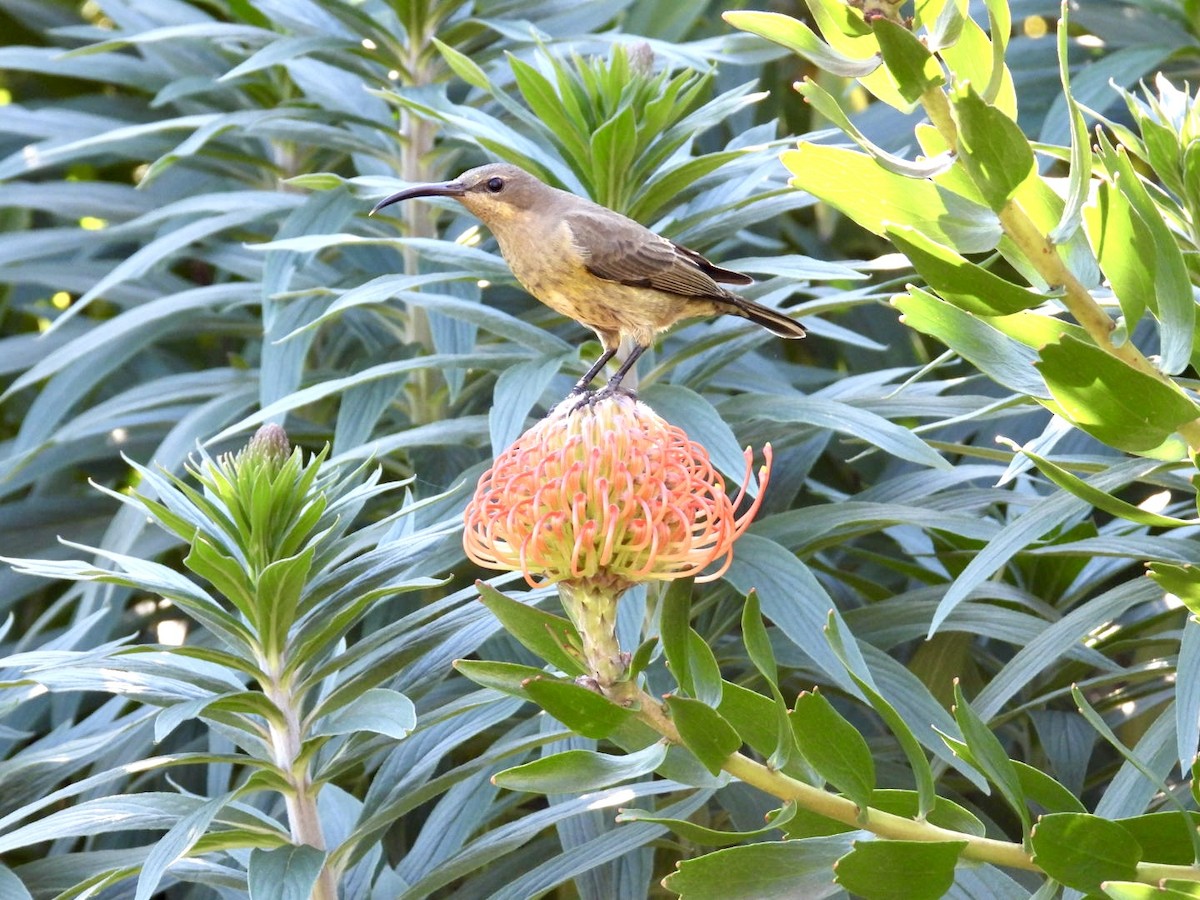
<point x="589" y="376"/>
<point x="614" y="383"/>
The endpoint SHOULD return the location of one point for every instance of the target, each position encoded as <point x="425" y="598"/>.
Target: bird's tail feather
<point x="771" y="319"/>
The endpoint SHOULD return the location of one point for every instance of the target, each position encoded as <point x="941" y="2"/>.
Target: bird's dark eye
<point x="495" y="185"/>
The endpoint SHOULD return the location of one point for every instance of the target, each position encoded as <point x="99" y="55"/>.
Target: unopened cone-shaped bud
<point x="270" y="443"/>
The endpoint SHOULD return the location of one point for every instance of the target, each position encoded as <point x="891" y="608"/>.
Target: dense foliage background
<point x="186" y="255"/>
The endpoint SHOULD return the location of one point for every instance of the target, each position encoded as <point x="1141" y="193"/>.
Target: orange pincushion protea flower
<point x="606" y="493"/>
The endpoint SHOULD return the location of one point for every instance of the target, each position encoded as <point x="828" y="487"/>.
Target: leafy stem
<point x="1040" y="250"/>
<point x="287" y="744"/>
<point x="884" y="824"/>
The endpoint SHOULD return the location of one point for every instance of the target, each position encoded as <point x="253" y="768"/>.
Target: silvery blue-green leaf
<point x="111" y="68"/>
<point x="843" y="418"/>
<point x="610" y="845"/>
<point x="692" y="412"/>
<point x="173" y="845"/>
<point x="378" y="710"/>
<point x="1050" y="645"/>
<point x="283" y="50"/>
<point x="1130" y="791"/>
<point x="505" y="838"/>
<point x="790" y="597"/>
<point x="1068" y="741"/>
<point x="150" y="810"/>
<point x="518" y="389"/>
<point x="11" y="887"/>
<point x="284" y="873"/>
<point x="794" y="267"/>
<point x="1047" y="515"/>
<point x="1187" y="695"/>
<point x="304" y="396"/>
<point x="55" y="153"/>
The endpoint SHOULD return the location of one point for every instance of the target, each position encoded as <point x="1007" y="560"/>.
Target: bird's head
<point x="495" y="193"/>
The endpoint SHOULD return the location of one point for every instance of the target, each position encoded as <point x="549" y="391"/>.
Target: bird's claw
<point x="591" y="398"/>
<point x="586" y="398"/>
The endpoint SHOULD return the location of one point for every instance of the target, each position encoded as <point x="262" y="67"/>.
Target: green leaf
<point x="582" y="710"/>
<point x="1171" y="299"/>
<point x="874" y="198"/>
<point x="1165" y="837"/>
<point x="277" y="596"/>
<point x="1114" y="403"/>
<point x="945" y="813"/>
<point x="974" y="58"/>
<point x="1182" y="581"/>
<point x="758" y="647"/>
<point x="908" y="59"/>
<point x="1122" y="243"/>
<point x="378" y="711"/>
<point x="673" y="627"/>
<point x="551" y="107"/>
<point x="704" y="732"/>
<point x="284" y="873"/>
<point x="508" y="678"/>
<point x="753" y="716"/>
<point x="899" y="870"/>
<point x="782" y="869"/>
<point x="968" y="286"/>
<point x="1132" y="890"/>
<point x="830" y="107"/>
<point x="542" y="633"/>
<point x="799" y="38"/>
<point x="998" y="356"/>
<point x="579" y="771"/>
<point x="706" y="674"/>
<point x="226" y="575"/>
<point x="758" y="644"/>
<point x="710" y="837"/>
<point x="463" y="66"/>
<point x="642" y="656"/>
<point x="834" y="747"/>
<point x="1134" y="762"/>
<point x="992" y="147"/>
<point x="613" y="146"/>
<point x="918" y="762"/>
<point x="1082" y="850"/>
<point x="1042" y="790"/>
<point x="986" y="753"/>
<point x="1097" y="498"/>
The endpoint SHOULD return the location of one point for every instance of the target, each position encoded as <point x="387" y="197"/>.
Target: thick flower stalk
<point x="601" y="496"/>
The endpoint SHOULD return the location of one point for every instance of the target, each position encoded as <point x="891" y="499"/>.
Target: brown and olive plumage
<point x="594" y="265"/>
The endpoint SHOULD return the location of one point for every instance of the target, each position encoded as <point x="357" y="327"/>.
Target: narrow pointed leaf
<point x="579" y="771"/>
<point x="540" y="632"/>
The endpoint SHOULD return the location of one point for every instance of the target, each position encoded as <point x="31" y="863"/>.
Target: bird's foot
<point x="614" y="389"/>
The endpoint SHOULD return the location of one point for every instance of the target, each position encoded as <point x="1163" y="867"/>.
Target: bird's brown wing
<point x="618" y="249"/>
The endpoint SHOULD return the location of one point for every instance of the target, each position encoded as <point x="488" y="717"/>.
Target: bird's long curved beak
<point x="438" y="189"/>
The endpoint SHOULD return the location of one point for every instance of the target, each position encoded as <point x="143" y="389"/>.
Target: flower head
<point x="605" y="493"/>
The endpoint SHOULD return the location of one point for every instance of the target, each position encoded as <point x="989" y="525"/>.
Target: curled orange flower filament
<point x="606" y="493"/>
